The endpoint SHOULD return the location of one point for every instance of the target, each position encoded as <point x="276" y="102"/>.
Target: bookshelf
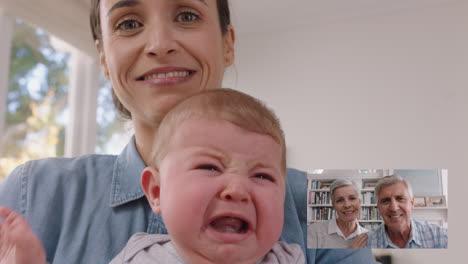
<point x="319" y="207"/>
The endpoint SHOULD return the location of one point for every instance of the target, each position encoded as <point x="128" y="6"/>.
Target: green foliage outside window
<point x="36" y="112"/>
<point x="36" y="99"/>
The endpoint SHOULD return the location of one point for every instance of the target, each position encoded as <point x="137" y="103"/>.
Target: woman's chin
<point x="348" y="219"/>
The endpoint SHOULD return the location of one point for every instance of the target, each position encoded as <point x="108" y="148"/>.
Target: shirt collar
<point x="126" y="176"/>
<point x="333" y="228"/>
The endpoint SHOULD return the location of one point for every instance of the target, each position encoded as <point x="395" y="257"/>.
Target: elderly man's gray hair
<point x="390" y="180"/>
<point x="341" y="183"/>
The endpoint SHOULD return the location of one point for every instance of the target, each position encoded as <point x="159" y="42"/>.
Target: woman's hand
<point x="359" y="242"/>
<point x="18" y="243"/>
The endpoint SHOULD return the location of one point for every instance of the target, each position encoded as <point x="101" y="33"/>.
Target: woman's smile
<point x="164" y="76"/>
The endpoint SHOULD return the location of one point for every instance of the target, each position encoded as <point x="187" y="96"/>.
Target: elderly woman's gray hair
<point x="341" y="183"/>
<point x="390" y="180"/>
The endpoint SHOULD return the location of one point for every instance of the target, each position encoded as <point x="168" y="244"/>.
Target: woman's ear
<point x="102" y="58"/>
<point x="150" y="183"/>
<point x="228" y="42"/>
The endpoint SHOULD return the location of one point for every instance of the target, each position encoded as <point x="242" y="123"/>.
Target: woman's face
<point x="347" y="203"/>
<point x="158" y="52"/>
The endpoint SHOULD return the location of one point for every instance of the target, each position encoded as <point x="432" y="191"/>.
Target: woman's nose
<point x="160" y="41"/>
<point x="346" y="203"/>
<point x="235" y="191"/>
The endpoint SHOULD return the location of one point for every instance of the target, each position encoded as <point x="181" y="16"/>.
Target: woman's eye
<point x="187" y="17"/>
<point x="129" y="24"/>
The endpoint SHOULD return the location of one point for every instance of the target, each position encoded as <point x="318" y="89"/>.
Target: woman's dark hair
<point x="95" y="21"/>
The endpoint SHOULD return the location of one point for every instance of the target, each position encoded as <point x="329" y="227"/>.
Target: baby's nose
<point x="235" y="191"/>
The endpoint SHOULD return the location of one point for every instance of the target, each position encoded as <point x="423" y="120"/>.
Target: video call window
<point x="366" y="208"/>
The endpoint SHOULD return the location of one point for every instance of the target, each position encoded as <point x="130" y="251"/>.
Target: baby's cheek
<point x="272" y="208"/>
<point x="270" y="215"/>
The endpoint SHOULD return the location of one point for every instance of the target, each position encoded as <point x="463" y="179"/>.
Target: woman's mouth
<point x="165" y="75"/>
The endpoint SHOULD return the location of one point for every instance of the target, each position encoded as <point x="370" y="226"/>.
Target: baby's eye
<point x="207" y="167"/>
<point x="129" y="24"/>
<point x="264" y="176"/>
<point x="187" y="17"/>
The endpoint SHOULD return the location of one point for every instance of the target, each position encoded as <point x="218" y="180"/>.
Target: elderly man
<point x="395" y="202"/>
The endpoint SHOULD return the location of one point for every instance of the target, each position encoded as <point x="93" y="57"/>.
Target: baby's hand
<point x="18" y="243"/>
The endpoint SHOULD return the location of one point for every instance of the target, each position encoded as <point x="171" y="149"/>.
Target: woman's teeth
<point x="166" y="75"/>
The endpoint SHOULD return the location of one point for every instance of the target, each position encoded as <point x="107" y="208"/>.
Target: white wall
<point x="380" y="92"/>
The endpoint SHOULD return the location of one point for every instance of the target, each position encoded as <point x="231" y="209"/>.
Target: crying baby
<point x="217" y="178"/>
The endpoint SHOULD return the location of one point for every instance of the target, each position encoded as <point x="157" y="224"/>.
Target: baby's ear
<point x="150" y="182"/>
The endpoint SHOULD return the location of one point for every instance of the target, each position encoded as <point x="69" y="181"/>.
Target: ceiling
<point x="68" y="19"/>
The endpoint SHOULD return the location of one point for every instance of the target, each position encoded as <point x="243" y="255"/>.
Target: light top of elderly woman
<point x="155" y="53"/>
<point x="342" y="231"/>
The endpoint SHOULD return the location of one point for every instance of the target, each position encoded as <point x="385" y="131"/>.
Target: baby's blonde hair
<point x="233" y="106"/>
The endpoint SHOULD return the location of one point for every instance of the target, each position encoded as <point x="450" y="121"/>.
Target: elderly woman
<point x="84" y="209"/>
<point x="343" y="231"/>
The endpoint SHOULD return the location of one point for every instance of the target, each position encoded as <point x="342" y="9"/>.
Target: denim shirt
<point x="85" y="209"/>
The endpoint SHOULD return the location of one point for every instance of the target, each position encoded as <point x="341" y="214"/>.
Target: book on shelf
<point x="319" y="185"/>
<point x="368" y="197"/>
<point x="319" y="198"/>
<point x="320" y="213"/>
<point x="325" y="185"/>
<point x="370" y="213"/>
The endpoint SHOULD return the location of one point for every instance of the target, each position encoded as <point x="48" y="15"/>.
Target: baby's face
<point x="222" y="192"/>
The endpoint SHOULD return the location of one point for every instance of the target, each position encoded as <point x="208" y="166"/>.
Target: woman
<point x="343" y="231"/>
<point x="155" y="53"/>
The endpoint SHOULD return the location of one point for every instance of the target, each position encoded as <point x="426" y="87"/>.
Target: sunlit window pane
<point x="113" y="131"/>
<point x="36" y="99"/>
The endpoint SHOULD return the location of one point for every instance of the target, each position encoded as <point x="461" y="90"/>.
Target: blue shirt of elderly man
<point x="395" y="202"/>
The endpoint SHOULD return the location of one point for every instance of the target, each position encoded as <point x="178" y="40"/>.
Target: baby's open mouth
<point x="227" y="224"/>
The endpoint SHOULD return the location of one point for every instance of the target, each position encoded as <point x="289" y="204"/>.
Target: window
<point x="113" y="132"/>
<point x="36" y="103"/>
